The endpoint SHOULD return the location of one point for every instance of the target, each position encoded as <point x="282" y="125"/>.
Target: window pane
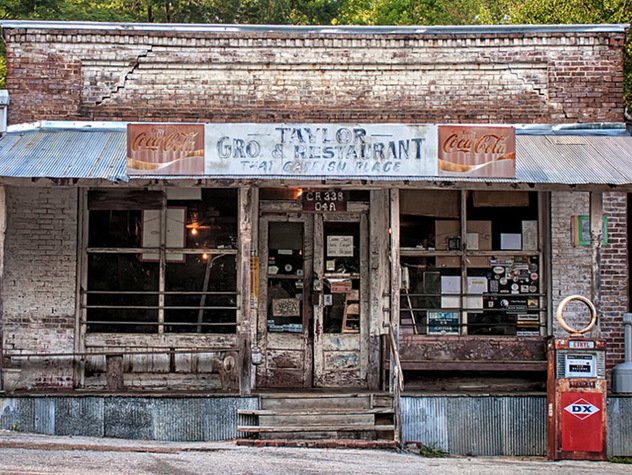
<point x="115" y="228"/>
<point x="510" y="301"/>
<point x="285" y="274"/>
<point x="429" y="219"/>
<point x="209" y="281"/>
<point x="341" y="285"/>
<point x="431" y="295"/>
<point x="211" y="220"/>
<point x="122" y="273"/>
<point x="342" y="247"/>
<point x="502" y="220"/>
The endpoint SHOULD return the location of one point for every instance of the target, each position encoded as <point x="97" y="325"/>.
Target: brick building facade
<point x="543" y="77"/>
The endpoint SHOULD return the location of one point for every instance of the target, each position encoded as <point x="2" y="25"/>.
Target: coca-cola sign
<point x="320" y="151"/>
<point x="165" y="149"/>
<point x="477" y="151"/>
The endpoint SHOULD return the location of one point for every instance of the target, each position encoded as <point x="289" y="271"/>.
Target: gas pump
<point x="576" y="392"/>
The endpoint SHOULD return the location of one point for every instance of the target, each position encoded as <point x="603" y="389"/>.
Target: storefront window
<point x="162" y="263"/>
<point x="285" y="275"/>
<point x="485" y="279"/>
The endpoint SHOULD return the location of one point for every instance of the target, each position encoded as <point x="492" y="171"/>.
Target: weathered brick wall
<point x="614" y="276"/>
<point x="40" y="280"/>
<point x="532" y="77"/>
<point x="572" y="266"/>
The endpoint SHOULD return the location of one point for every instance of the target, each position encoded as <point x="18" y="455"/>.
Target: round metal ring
<point x="564" y="325"/>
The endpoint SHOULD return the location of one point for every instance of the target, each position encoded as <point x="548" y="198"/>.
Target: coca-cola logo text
<point x="158" y="141"/>
<point x="484" y="144"/>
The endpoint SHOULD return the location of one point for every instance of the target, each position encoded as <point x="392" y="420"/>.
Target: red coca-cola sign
<point x="165" y="149"/>
<point x="477" y="151"/>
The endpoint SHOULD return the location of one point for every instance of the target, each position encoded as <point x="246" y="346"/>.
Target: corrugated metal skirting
<point x="498" y="425"/>
<point x="486" y="425"/>
<point x="620" y="426"/>
<point x="167" y="419"/>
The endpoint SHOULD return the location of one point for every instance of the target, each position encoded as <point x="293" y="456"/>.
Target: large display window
<point x="161" y="262"/>
<point x="471" y="263"/>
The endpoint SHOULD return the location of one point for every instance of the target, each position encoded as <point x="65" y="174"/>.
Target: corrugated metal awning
<point x="96" y="152"/>
<point x="85" y="152"/>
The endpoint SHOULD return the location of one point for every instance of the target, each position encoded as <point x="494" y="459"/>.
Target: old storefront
<point x="210" y="212"/>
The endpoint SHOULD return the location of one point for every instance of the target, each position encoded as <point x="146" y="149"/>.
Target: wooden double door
<point x="313" y="305"/>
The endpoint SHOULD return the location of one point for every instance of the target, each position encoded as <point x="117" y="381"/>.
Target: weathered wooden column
<point x="396" y="379"/>
<point x="244" y="328"/>
<point x="379" y="249"/>
<point x="596" y="237"/>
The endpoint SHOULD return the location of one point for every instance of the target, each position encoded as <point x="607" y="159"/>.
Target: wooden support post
<point x="244" y="277"/>
<point x="81" y="299"/>
<point x="114" y="372"/>
<point x="596" y="236"/>
<point x="379" y="252"/>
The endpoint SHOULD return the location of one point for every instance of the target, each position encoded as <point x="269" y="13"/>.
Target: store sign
<point x="322" y="201"/>
<point x="318" y="151"/>
<point x="165" y="149"/>
<point x="477" y="151"/>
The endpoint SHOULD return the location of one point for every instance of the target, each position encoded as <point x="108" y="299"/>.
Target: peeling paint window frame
<point x="443" y="282"/>
<point x="168" y="307"/>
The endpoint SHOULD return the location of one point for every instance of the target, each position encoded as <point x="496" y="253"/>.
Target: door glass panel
<point x="341" y="299"/>
<point x="285" y="273"/>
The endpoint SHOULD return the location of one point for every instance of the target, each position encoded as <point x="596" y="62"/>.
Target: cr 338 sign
<point x="324" y="201"/>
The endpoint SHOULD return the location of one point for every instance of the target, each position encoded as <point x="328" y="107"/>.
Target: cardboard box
<point x="445" y="229"/>
<point x="433" y="203"/>
<point x="481" y="262"/>
<point x="484" y="231"/>
<point x="447" y="261"/>
<point x="529" y="235"/>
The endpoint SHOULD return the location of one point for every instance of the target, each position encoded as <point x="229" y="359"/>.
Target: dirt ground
<point x="40" y="454"/>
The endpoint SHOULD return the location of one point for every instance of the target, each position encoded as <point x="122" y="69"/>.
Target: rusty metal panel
<point x="523" y="425"/>
<point x="145" y="418"/>
<point x="79" y="416"/>
<point x="73" y="152"/>
<point x="221" y="416"/>
<point x="620" y="426"/>
<point x="9" y="413"/>
<point x="425" y="420"/>
<point x="481" y="434"/>
<point x="477" y="425"/>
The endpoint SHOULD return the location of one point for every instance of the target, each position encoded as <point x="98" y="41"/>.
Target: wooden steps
<point x="317" y="416"/>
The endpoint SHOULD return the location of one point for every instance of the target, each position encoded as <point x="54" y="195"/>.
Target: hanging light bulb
<point x="204" y="256"/>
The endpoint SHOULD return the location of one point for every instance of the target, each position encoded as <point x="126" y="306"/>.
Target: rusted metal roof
<point x="68" y="150"/>
<point x="96" y="151"/>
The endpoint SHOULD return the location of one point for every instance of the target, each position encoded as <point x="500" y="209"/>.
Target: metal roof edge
<point x="587" y="129"/>
<point x="314" y="29"/>
<point x="66" y="125"/>
<point x="592" y="128"/>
